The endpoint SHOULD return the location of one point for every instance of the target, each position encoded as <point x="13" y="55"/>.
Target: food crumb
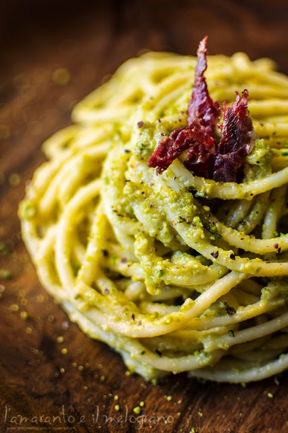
<point x="102" y="378"/>
<point x="14" y="179"/>
<point x="3" y="248"/>
<point x="24" y="315"/>
<point x="28" y="210"/>
<point x="270" y="395"/>
<point x="65" y="325"/>
<point x="60" y="339"/>
<point x="137" y="410"/>
<point x="61" y="76"/>
<point x="40" y="298"/>
<point x="14" y="307"/>
<point x="5" y="274"/>
<point x="117" y="407"/>
<point x="64" y="351"/>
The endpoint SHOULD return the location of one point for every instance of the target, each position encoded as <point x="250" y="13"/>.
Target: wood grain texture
<point x="78" y="389"/>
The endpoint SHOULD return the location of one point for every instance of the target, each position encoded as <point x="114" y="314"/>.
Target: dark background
<point x="90" y="39"/>
<point x="258" y="27"/>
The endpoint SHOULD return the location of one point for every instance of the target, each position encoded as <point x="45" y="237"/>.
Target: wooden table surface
<point x="42" y="389"/>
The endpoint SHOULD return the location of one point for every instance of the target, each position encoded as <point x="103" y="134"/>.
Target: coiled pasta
<point x="174" y="271"/>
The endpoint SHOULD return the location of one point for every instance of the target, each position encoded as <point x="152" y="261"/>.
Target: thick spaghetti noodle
<point x="175" y="272"/>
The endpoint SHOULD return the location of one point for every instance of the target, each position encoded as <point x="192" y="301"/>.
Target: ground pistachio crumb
<point x="3" y="248"/>
<point x="117" y="407"/>
<point x="141" y="404"/>
<point x="24" y="315"/>
<point x="137" y="410"/>
<point x="102" y="378"/>
<point x="64" y="351"/>
<point x="61" y="76"/>
<point x="5" y="274"/>
<point x="28" y="210"/>
<point x="270" y="395"/>
<point x="60" y="339"/>
<point x="14" y="179"/>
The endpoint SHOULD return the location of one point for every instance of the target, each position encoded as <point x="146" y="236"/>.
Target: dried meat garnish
<point x="201" y="107"/>
<point x="236" y="141"/>
<point x="221" y="159"/>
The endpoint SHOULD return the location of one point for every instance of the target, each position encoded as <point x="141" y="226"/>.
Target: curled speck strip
<point x="219" y="159"/>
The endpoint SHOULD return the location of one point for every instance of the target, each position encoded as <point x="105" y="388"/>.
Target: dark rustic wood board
<point x="79" y="388"/>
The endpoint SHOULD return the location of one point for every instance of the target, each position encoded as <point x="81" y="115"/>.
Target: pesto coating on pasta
<point x="176" y="272"/>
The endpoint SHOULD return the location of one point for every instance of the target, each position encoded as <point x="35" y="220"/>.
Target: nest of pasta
<point x="176" y="272"/>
